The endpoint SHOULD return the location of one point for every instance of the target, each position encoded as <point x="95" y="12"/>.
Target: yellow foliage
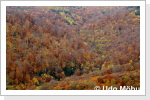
<point x="56" y="43"/>
<point x="9" y="44"/>
<point x="113" y="81"/>
<point x="38" y="88"/>
<point x="87" y="55"/>
<point x="132" y="68"/>
<point x="103" y="57"/>
<point x="108" y="66"/>
<point x="18" y="87"/>
<point x="103" y="65"/>
<point x="127" y="74"/>
<point x="107" y="83"/>
<point x="111" y="65"/>
<point x="35" y="81"/>
<point x="130" y="61"/>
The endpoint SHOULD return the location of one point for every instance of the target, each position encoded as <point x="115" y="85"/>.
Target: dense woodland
<point x="72" y="47"/>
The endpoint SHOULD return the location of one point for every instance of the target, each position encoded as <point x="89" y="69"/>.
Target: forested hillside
<point x="72" y="47"/>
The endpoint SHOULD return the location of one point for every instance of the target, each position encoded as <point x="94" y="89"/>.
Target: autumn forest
<point x="72" y="47"/>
